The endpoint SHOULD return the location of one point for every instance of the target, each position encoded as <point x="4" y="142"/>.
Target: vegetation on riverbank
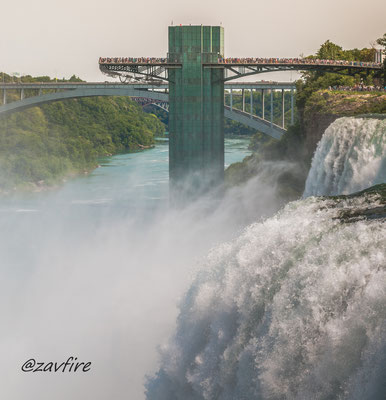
<point x="317" y="106"/>
<point x="43" y="145"/>
<point x="345" y="103"/>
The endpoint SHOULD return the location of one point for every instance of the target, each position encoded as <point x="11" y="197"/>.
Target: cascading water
<point x="295" y="307"/>
<point x="351" y="156"/>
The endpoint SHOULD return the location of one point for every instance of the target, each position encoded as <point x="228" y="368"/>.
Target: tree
<point x="74" y="78"/>
<point x="382" y="42"/>
<point x="329" y="51"/>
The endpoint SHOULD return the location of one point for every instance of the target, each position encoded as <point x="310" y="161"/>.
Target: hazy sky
<point x="61" y="38"/>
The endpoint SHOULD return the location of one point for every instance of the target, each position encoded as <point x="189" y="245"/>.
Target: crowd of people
<point x="303" y="61"/>
<point x="132" y="60"/>
<point x="359" y="88"/>
<point x="231" y="60"/>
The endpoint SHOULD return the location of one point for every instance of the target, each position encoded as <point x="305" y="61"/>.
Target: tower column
<point x="196" y="110"/>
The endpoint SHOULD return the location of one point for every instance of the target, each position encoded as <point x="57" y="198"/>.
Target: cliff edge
<point x="325" y="106"/>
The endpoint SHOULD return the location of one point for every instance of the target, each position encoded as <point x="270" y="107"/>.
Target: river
<point x="94" y="270"/>
<point x="121" y="183"/>
<point x="225" y="299"/>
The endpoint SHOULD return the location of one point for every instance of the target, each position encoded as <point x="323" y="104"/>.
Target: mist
<point x="97" y="274"/>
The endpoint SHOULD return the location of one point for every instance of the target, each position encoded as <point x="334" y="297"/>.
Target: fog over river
<point x="223" y="299"/>
<point x="95" y="270"/>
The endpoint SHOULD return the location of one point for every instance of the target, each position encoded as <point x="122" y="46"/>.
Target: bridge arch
<point x="78" y="93"/>
<point x="156" y="97"/>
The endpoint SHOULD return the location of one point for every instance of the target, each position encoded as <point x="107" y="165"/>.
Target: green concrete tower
<point x="196" y="108"/>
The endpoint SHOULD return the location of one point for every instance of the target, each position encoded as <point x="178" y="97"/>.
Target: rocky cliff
<point x="325" y="106"/>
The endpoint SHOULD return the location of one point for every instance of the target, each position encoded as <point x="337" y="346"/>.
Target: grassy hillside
<point x="345" y="103"/>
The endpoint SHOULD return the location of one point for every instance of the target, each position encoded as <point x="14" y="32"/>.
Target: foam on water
<point x="295" y="307"/>
<point x="292" y="309"/>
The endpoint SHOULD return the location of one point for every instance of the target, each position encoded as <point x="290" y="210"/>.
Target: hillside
<point x="325" y="106"/>
<point x="43" y="145"/>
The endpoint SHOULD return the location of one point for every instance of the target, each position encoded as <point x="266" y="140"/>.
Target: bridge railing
<point x="245" y="60"/>
<point x="299" y="61"/>
<point x="133" y="60"/>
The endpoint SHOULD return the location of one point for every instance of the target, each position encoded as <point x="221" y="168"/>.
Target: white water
<point x="96" y="268"/>
<point x="351" y="156"/>
<point x="295" y="307"/>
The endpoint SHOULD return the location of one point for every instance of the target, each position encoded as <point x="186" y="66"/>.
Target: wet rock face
<point x="315" y="126"/>
<point x="363" y="214"/>
<point x="374" y="206"/>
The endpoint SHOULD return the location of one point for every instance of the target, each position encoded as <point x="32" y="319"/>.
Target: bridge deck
<point x="139" y="86"/>
<point x="300" y="64"/>
<point x="295" y="63"/>
<point x="78" y="85"/>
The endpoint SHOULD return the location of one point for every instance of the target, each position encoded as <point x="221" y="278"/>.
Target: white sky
<point x="61" y="38"/>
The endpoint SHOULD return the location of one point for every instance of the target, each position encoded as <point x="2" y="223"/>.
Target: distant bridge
<point x="154" y="93"/>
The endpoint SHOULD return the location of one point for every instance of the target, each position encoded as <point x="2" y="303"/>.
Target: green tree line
<point x="42" y="145"/>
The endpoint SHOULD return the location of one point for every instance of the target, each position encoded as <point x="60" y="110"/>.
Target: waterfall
<point x="351" y="156"/>
<point x="294" y="308"/>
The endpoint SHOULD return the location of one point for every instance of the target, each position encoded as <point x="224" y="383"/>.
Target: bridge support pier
<point x="282" y="109"/>
<point x="251" y="102"/>
<point x="243" y="95"/>
<point x="262" y="103"/>
<point x="231" y="99"/>
<point x="271" y="107"/>
<point x="292" y="106"/>
<point x="4" y="96"/>
<point x="22" y="94"/>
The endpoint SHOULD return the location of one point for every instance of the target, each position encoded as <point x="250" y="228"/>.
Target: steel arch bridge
<point x="155" y="93"/>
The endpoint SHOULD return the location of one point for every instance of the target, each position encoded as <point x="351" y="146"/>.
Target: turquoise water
<point x="122" y="183"/>
<point x="130" y="188"/>
<point x="94" y="269"/>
